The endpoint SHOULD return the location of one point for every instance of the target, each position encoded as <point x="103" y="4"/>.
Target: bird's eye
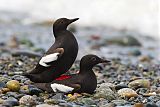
<point x="61" y="21"/>
<point x="93" y="59"/>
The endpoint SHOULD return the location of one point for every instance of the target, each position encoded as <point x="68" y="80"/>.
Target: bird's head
<point x="89" y="61"/>
<point x="62" y="23"/>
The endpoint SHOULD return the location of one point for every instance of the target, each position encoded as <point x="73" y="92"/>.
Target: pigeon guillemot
<point x="60" y="56"/>
<point x="83" y="82"/>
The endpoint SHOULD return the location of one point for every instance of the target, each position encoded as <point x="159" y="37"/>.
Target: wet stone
<point x="27" y="100"/>
<point x="108" y="105"/>
<point x="34" y="90"/>
<point x="58" y="96"/>
<point x="127" y="92"/>
<point x="151" y="105"/>
<point x="4" y="79"/>
<point x="110" y="85"/>
<point x="18" y="77"/>
<point x="111" y="78"/>
<point x="44" y="95"/>
<point x="27" y="82"/>
<point x="140" y="83"/>
<point x="14" y="94"/>
<point x="124" y="41"/>
<point x="11" y="102"/>
<point x="141" y="90"/>
<point x="105" y="93"/>
<point x="2" y="85"/>
<point x="51" y="101"/>
<point x="119" y="102"/>
<point x="24" y="89"/>
<point x="154" y="98"/>
<point x="13" y="85"/>
<point x="88" y="101"/>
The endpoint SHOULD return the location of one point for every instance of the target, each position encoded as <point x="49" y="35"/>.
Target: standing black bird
<point x="60" y="56"/>
<point x="83" y="82"/>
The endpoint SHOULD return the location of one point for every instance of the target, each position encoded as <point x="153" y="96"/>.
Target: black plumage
<point x="60" y="56"/>
<point x="83" y="82"/>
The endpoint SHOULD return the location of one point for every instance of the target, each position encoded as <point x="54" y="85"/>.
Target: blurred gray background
<point x="137" y="15"/>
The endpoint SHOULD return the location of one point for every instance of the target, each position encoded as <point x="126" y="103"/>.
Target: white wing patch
<point x="62" y="88"/>
<point x="48" y="58"/>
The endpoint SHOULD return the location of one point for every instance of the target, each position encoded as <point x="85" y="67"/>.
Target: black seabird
<point x="83" y="82"/>
<point x="60" y="56"/>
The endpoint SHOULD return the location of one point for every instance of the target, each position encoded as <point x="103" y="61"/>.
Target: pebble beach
<point x="131" y="80"/>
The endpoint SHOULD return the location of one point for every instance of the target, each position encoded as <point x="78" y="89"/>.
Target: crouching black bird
<point x="83" y="82"/>
<point x="60" y="56"/>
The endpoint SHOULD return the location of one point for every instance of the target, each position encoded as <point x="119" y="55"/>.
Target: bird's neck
<point x="85" y="69"/>
<point x="58" y="32"/>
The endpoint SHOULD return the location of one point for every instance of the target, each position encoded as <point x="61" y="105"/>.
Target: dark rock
<point x="2" y="44"/>
<point x="120" y="86"/>
<point x="124" y="41"/>
<point x="26" y="42"/>
<point x="2" y="85"/>
<point x="10" y="102"/>
<point x="154" y="98"/>
<point x="58" y="96"/>
<point x="151" y="105"/>
<point x="14" y="94"/>
<point x="25" y="53"/>
<point x="34" y="90"/>
<point x="135" y="52"/>
<point x="141" y="90"/>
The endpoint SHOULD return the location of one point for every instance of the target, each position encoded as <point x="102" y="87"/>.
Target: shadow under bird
<point x="83" y="82"/>
<point x="60" y="56"/>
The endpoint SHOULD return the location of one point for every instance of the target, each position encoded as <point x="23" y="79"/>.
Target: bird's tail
<point x="27" y="75"/>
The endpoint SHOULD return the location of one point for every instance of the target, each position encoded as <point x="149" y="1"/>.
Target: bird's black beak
<point x="104" y="61"/>
<point x="73" y="20"/>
